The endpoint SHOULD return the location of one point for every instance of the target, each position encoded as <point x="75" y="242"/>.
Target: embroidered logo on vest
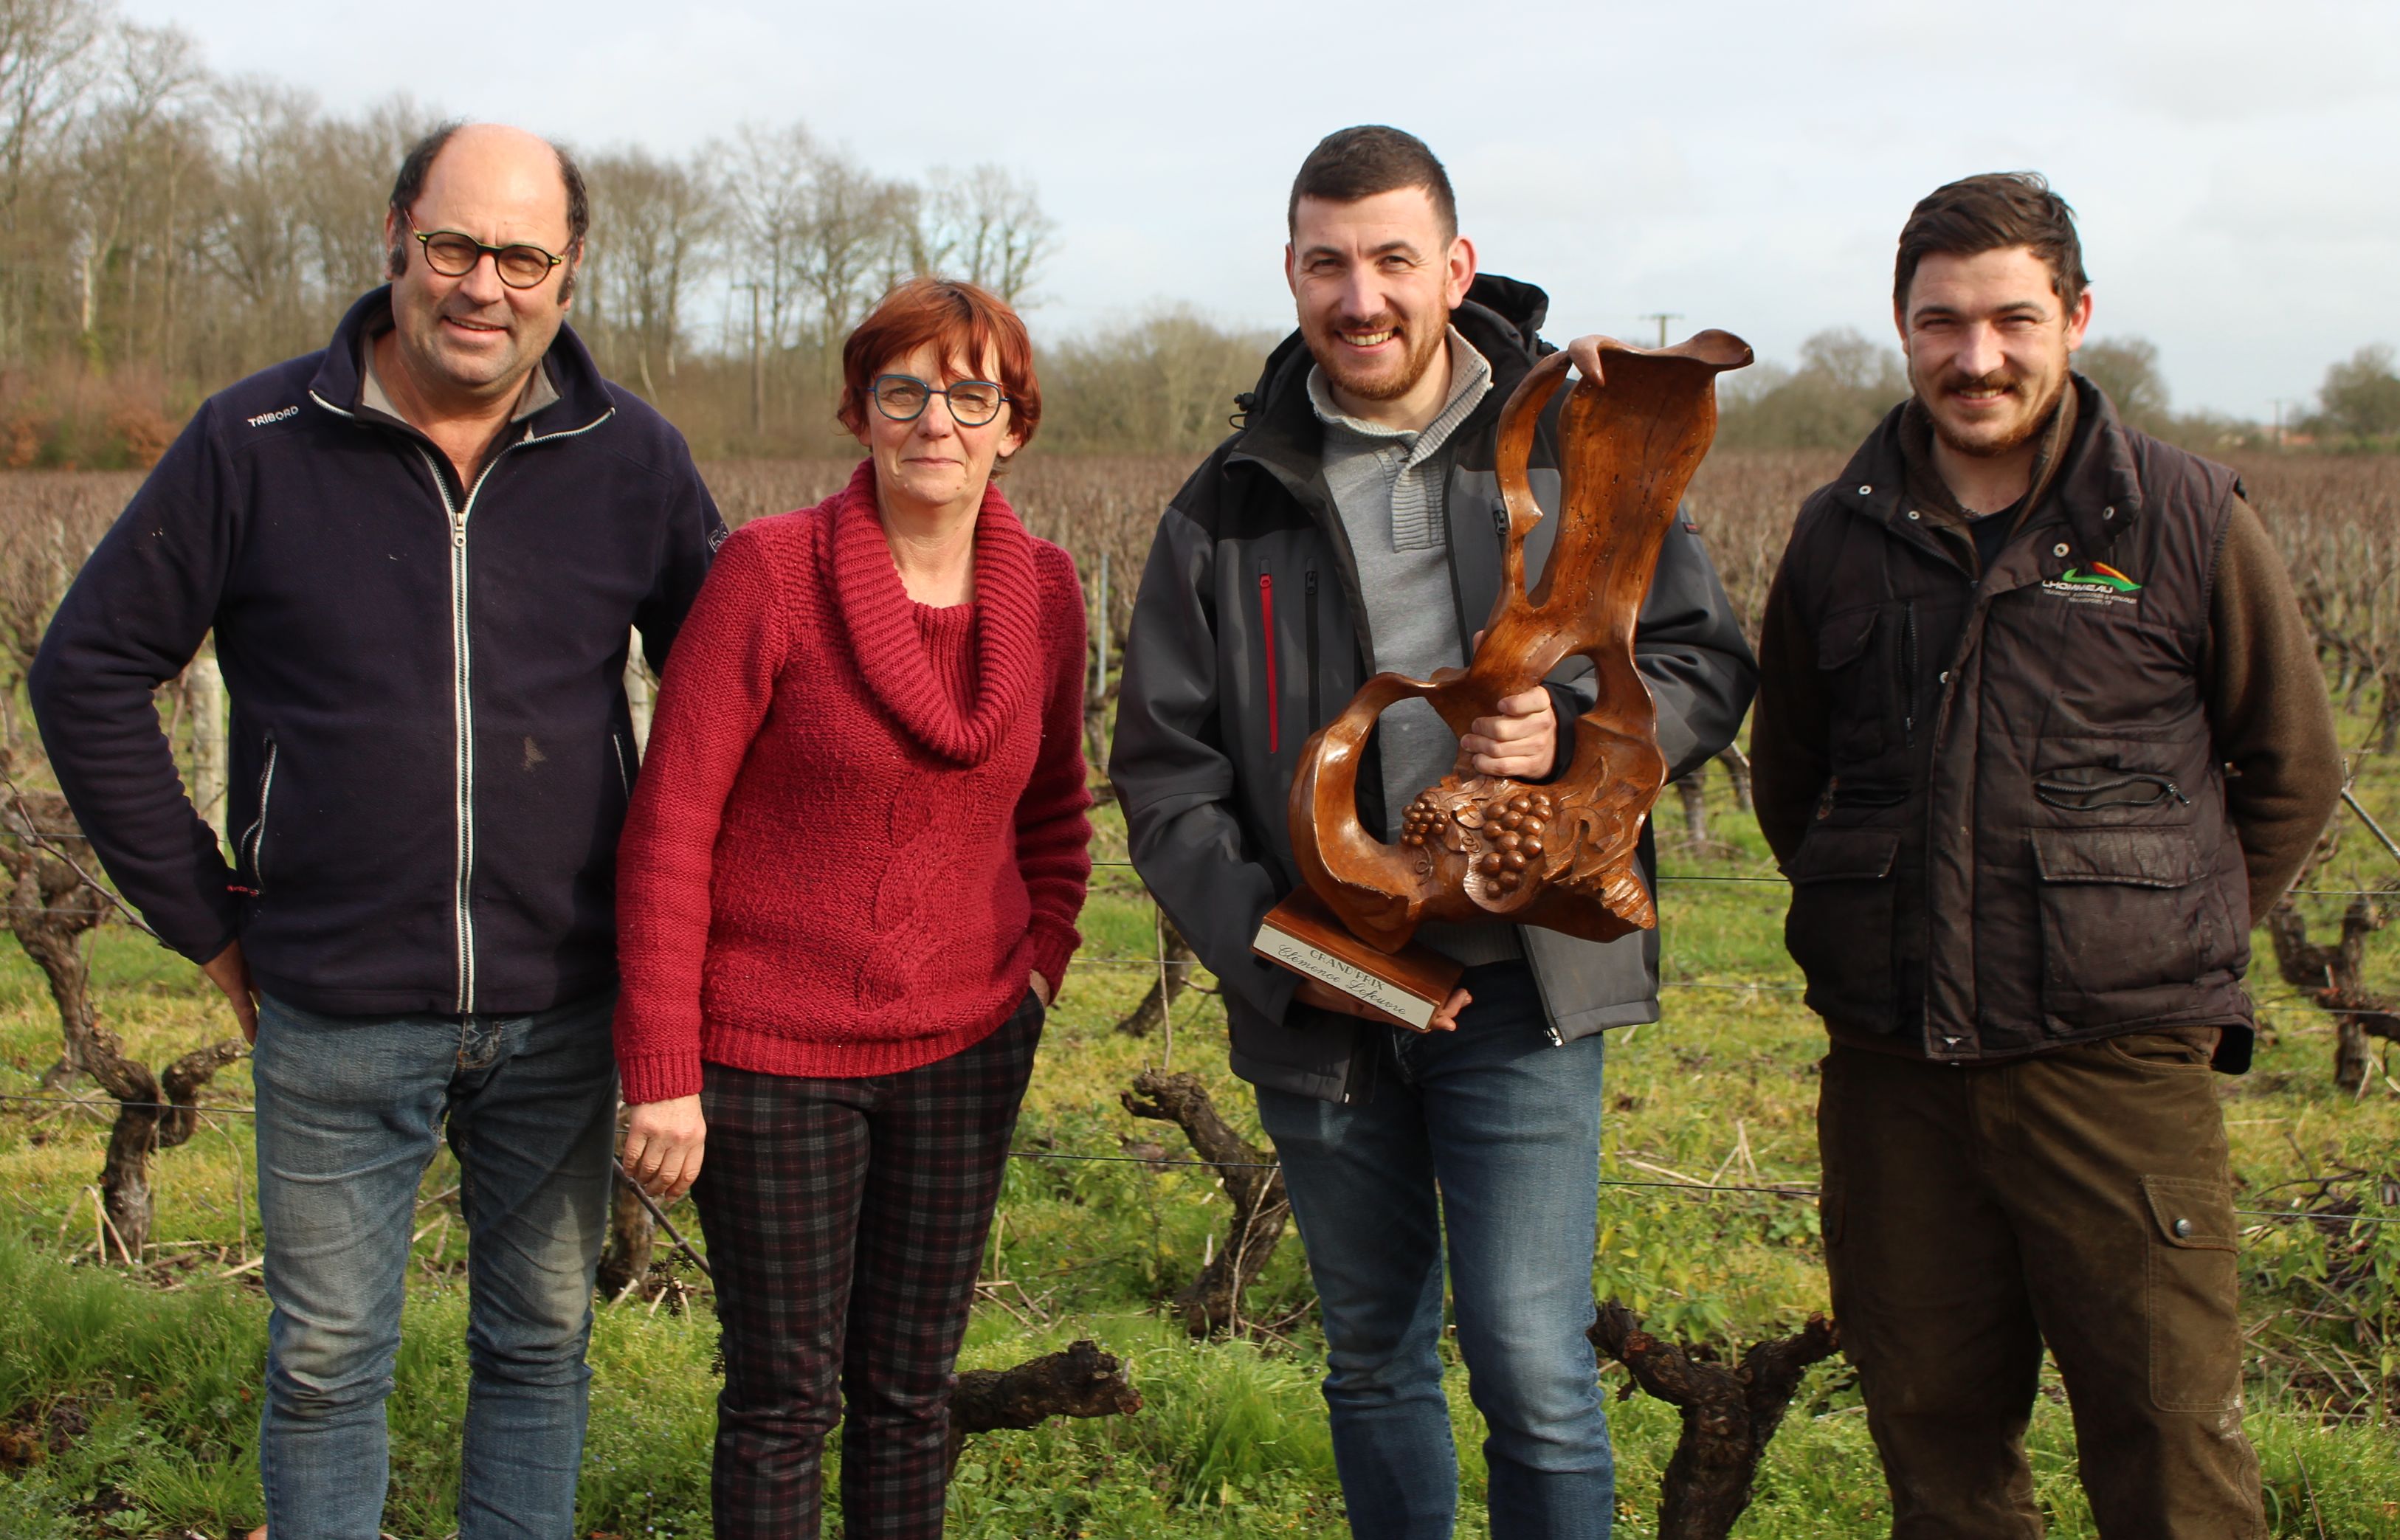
<point x="2104" y="584"/>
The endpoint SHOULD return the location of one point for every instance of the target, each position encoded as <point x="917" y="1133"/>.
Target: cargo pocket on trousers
<point x="2195" y="1327"/>
<point x="1839" y="928"/>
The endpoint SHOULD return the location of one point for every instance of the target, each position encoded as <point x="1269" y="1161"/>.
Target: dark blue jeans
<point x="350" y="1112"/>
<point x="1492" y="1134"/>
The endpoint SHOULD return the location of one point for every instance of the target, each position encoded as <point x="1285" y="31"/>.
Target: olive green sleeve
<point x="2267" y="709"/>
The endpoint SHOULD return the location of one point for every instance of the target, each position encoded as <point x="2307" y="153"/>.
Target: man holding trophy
<point x="1356" y="524"/>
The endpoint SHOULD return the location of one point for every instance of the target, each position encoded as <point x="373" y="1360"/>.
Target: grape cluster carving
<point x="1421" y="822"/>
<point x="1512" y="838"/>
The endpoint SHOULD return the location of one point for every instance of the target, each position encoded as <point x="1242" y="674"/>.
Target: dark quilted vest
<point x="2024" y="841"/>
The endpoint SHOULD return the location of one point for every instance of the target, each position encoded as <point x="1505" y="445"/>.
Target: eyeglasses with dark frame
<point x="903" y="398"/>
<point x="452" y="253"/>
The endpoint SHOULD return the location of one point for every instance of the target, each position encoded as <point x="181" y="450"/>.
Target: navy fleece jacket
<point x="431" y="749"/>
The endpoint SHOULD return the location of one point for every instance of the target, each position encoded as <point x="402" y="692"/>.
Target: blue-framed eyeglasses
<point x="903" y="398"/>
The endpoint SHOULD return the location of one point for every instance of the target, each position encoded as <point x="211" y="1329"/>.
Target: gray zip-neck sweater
<point x="1387" y="486"/>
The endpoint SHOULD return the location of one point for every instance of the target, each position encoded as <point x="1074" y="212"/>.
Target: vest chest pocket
<point x="1839" y="928"/>
<point x="1853" y="650"/>
<point x="2126" y="921"/>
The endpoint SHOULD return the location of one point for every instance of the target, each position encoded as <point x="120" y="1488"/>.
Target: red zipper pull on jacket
<point x="1266" y="622"/>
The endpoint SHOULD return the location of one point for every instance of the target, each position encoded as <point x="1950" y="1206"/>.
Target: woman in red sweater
<point x="846" y="896"/>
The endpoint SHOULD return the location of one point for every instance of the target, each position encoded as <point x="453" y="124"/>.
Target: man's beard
<point x="1423" y="346"/>
<point x="2026" y="429"/>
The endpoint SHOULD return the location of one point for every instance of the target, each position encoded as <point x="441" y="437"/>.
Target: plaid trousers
<point x="846" y="1222"/>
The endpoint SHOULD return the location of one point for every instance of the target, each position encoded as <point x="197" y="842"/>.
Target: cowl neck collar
<point x="881" y="620"/>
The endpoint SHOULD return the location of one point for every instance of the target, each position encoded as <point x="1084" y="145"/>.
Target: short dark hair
<point x="414" y="167"/>
<point x="1992" y="213"/>
<point x="968" y="322"/>
<point x="1350" y="164"/>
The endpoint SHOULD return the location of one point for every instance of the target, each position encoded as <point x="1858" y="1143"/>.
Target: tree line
<point x="166" y="228"/>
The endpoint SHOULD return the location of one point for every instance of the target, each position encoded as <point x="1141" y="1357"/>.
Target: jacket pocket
<point x="1839" y="928"/>
<point x="1863" y="655"/>
<point x="2091" y="788"/>
<point x="2126" y="922"/>
<point x="2195" y="1347"/>
<point x="252" y="851"/>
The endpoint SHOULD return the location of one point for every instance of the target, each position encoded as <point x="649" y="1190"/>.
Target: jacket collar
<point x="584" y="398"/>
<point x="882" y="622"/>
<point x="1500" y="316"/>
<point x="2095" y="489"/>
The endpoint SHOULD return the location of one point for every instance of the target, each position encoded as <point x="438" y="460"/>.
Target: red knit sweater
<point x="860" y="821"/>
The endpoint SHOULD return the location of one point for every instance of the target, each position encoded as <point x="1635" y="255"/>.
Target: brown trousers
<point x="2081" y="1199"/>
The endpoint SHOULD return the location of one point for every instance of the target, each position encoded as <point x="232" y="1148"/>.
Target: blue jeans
<point x="1492" y="1133"/>
<point x="350" y="1112"/>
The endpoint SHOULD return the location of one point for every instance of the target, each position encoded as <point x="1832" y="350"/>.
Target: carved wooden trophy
<point x="1491" y="847"/>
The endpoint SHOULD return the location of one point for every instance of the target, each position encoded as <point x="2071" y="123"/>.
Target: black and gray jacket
<point x="430" y="750"/>
<point x="1250" y="632"/>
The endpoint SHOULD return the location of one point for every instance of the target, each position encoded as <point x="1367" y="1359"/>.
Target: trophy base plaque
<point x="1406" y="987"/>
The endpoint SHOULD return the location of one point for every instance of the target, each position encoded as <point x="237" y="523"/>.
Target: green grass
<point x="160" y="1369"/>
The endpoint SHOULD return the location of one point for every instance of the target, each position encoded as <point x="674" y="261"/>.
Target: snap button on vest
<point x="1912" y="512"/>
<point x="2059" y="549"/>
<point x="1867" y="491"/>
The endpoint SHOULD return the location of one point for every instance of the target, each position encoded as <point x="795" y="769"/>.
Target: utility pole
<point x="2280" y="405"/>
<point x="1663" y="318"/>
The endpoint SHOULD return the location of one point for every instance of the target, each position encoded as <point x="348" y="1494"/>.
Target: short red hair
<point x="968" y="322"/>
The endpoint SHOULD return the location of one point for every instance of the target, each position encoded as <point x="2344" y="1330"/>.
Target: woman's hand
<point x="664" y="1141"/>
<point x="1043" y="990"/>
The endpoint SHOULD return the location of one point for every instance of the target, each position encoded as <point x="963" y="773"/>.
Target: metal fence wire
<point x="1159" y="963"/>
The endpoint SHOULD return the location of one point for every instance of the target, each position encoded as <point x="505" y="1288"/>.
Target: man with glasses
<point x="421" y="553"/>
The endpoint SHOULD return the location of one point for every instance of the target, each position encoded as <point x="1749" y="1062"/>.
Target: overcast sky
<point x="1745" y="164"/>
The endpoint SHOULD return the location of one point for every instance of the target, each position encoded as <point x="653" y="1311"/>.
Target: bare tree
<point x="346" y="172"/>
<point x="258" y="238"/>
<point x="767" y="195"/>
<point x="48" y="63"/>
<point x="658" y="221"/>
<point x="851" y="225"/>
<point x="985" y="224"/>
<point x="154" y="71"/>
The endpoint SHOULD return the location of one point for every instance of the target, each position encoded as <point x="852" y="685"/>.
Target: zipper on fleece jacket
<point x="1266" y="625"/>
<point x="462" y="698"/>
<point x="252" y="845"/>
<point x="462" y="711"/>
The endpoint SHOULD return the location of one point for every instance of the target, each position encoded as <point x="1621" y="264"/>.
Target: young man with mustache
<point x="1354" y="524"/>
<point x="421" y="553"/>
<point x="2040" y="731"/>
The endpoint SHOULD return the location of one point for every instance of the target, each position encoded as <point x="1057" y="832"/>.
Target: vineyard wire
<point x="1793" y="1191"/>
